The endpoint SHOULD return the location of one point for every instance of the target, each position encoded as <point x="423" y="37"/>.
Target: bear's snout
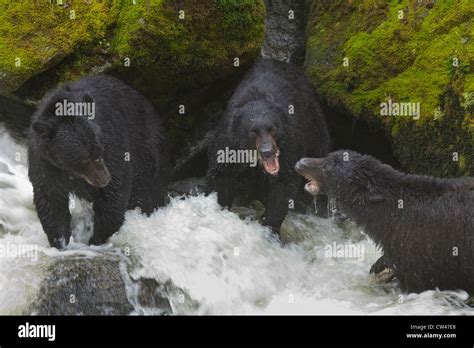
<point x="97" y="174"/>
<point x="305" y="164"/>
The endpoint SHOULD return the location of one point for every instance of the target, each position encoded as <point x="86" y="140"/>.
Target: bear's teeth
<point x="271" y="166"/>
<point x="311" y="187"/>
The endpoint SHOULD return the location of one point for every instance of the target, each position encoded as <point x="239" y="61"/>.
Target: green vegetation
<point x="406" y="51"/>
<point x="191" y="51"/>
<point x="166" y="53"/>
<point x="40" y="34"/>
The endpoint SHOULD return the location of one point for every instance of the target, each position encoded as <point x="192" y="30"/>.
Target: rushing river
<point x="210" y="260"/>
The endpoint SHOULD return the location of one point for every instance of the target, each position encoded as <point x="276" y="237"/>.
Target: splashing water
<point x="209" y="260"/>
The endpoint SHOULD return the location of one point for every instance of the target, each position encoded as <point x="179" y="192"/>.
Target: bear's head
<point x="353" y="177"/>
<point x="70" y="143"/>
<point x="346" y="174"/>
<point x="259" y="127"/>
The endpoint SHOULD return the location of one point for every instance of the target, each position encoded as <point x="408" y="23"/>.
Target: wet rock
<point x="385" y="276"/>
<point x="82" y="286"/>
<point x="359" y="55"/>
<point x="253" y="212"/>
<point x="153" y="295"/>
<point x="470" y="301"/>
<point x="190" y="186"/>
<point x="285" y="30"/>
<point x="152" y="45"/>
<point x="103" y="286"/>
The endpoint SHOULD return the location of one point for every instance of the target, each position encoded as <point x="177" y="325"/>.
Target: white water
<point x="222" y="264"/>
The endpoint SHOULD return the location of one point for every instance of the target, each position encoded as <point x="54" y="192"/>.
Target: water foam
<point x="219" y="263"/>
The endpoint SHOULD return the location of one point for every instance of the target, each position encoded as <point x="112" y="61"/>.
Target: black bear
<point x="272" y="119"/>
<point x="103" y="141"/>
<point x="424" y="225"/>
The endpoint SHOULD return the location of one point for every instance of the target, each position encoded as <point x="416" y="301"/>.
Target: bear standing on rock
<point x="103" y="141"/>
<point x="273" y="119"/>
<point x="424" y="225"/>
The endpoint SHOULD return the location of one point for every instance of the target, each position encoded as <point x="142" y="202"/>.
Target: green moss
<point x="185" y="53"/>
<point x="167" y="54"/>
<point x="407" y="59"/>
<point x="41" y="34"/>
<point x="170" y="57"/>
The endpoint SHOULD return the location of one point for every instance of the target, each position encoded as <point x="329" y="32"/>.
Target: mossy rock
<point x="189" y="52"/>
<point x="148" y="43"/>
<point x="363" y="53"/>
<point x="35" y="35"/>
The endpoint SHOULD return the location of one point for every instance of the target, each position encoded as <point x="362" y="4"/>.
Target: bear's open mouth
<point x="268" y="154"/>
<point x="308" y="167"/>
<point x="311" y="187"/>
<point x="272" y="165"/>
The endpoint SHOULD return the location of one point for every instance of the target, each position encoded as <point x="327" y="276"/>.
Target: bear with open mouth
<point x="275" y="118"/>
<point x="424" y="225"/>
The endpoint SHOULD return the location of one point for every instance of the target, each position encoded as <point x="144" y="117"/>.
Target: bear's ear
<point x="87" y="98"/>
<point x="43" y="129"/>
<point x="51" y="108"/>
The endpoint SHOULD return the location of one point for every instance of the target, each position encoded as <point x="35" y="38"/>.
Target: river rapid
<point x="200" y="258"/>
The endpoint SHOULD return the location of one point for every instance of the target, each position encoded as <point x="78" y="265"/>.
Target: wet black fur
<point x="262" y="101"/>
<point x="419" y="240"/>
<point x="124" y="122"/>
